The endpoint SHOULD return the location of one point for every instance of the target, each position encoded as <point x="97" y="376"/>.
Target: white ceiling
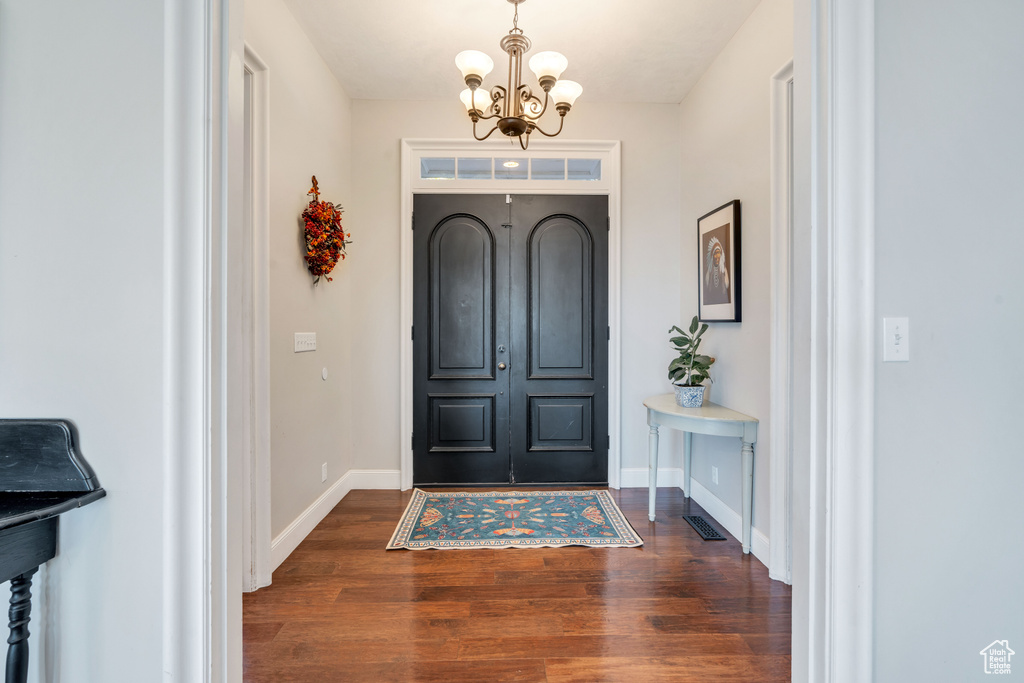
<point x="619" y="50"/>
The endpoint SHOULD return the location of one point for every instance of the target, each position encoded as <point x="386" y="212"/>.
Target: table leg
<point x="21" y="607"/>
<point x="652" y="462"/>
<point x="748" y="491"/>
<point x="687" y="452"/>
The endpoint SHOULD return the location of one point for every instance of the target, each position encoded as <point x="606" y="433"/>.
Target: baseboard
<point x="730" y="519"/>
<point x="375" y="479"/>
<point x="289" y="539"/>
<point x="639" y="477"/>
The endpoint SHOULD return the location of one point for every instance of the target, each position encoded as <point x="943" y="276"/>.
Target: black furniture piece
<point x="41" y="476"/>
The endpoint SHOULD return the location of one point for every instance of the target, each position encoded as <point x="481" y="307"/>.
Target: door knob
<point x="502" y="366"/>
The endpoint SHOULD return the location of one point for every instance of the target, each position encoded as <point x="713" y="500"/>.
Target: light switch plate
<point x="305" y="341"/>
<point x="896" y="340"/>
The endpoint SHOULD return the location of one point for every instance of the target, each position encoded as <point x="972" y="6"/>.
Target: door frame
<point x="834" y="174"/>
<point x="253" y="432"/>
<point x="781" y="363"/>
<point x="609" y="152"/>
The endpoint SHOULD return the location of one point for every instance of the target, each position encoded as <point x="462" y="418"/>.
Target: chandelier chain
<point x="515" y="20"/>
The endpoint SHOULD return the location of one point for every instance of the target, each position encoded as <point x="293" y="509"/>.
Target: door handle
<point x="502" y="366"/>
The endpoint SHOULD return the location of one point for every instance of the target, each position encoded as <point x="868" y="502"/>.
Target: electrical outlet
<point x="714" y="474"/>
<point x="323" y="473"/>
<point x="305" y="341"/>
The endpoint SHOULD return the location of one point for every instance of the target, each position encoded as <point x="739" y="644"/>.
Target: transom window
<point x="509" y="168"/>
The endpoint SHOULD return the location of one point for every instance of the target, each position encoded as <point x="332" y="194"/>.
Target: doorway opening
<point x="603" y="178"/>
<point x="511" y="360"/>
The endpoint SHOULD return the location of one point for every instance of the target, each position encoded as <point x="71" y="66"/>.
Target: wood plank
<point x="747" y="668"/>
<point x="601" y="647"/>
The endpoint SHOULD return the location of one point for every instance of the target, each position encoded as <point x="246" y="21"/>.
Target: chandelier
<point x="514" y="105"/>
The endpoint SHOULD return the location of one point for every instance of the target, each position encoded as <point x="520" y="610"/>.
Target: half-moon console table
<point x="712" y="419"/>
<point x="41" y="477"/>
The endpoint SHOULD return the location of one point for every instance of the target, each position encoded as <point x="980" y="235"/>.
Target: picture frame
<point x="718" y="264"/>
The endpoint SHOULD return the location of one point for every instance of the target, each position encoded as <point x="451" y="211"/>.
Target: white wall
<point x="82" y="289"/>
<point x="724" y="148"/>
<point x="948" y="467"/>
<point x="310" y="126"/>
<point x="650" y="268"/>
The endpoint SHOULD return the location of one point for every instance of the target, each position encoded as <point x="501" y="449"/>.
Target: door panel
<point x="461" y="296"/>
<point x="559" y="399"/>
<point x="461" y="423"/>
<point x="560" y="299"/>
<point x="460" y="280"/>
<point x="510" y="345"/>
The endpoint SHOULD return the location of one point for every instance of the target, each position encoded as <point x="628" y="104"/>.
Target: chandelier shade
<point x="547" y="65"/>
<point x="475" y="99"/>
<point x="515" y="106"/>
<point x="474" y="63"/>
<point x="566" y="92"/>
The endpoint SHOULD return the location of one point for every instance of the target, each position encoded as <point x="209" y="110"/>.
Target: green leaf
<point x="693" y="325"/>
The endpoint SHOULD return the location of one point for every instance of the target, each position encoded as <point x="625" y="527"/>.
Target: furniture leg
<point x="748" y="491"/>
<point x="687" y="452"/>
<point x="21" y="608"/>
<point x="652" y="461"/>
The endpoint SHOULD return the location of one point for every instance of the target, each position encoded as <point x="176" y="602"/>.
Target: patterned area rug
<point x="513" y="519"/>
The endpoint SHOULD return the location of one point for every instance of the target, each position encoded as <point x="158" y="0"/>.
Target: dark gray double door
<point x="510" y="345"/>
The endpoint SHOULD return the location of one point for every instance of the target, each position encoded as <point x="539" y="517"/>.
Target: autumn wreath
<point x="325" y="238"/>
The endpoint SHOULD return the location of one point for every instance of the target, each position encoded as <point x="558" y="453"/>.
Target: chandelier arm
<point x="526" y="144"/>
<point x="493" y="128"/>
<point x="561" y="123"/>
<point x="544" y="106"/>
<point x="497" y="101"/>
<point x="493" y="107"/>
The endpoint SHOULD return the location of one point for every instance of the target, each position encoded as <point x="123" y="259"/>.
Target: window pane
<point x="474" y="169"/>
<point x="547" y="169"/>
<point x="584" y="169"/>
<point x="511" y="169"/>
<point x="437" y="169"/>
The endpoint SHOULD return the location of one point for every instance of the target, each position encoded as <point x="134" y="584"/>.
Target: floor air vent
<point x="706" y="531"/>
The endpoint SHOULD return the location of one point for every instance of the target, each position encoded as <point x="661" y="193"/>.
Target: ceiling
<point x="619" y="50"/>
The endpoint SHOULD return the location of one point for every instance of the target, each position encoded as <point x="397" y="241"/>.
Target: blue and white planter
<point x="690" y="397"/>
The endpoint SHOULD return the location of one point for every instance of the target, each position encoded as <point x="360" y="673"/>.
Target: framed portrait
<point x="718" y="264"/>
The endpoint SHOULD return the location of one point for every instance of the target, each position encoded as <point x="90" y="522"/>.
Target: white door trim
<point x="201" y="632"/>
<point x="188" y="455"/>
<point x="839" y="590"/>
<point x="610" y="184"/>
<point x="781" y="371"/>
<point x="254" y="433"/>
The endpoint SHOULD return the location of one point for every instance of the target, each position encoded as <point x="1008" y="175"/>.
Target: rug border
<point x="419" y="496"/>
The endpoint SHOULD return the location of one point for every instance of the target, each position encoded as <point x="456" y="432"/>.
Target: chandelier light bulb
<point x="548" y="66"/>
<point x="474" y="65"/>
<point x="566" y="92"/>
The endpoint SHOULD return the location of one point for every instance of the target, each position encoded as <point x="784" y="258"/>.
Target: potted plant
<point x="690" y="370"/>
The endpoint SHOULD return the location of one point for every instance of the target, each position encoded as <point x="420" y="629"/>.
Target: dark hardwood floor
<point x="341" y="608"/>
